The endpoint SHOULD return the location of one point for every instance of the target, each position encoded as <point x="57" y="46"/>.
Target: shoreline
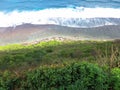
<point x="29" y="33"/>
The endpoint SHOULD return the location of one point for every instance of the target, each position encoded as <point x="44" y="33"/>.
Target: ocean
<point x="70" y="13"/>
<point x="24" y="21"/>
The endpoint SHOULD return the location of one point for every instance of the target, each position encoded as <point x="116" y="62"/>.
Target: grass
<point x="53" y="52"/>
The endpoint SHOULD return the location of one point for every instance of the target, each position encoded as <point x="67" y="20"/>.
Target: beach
<point x="41" y="20"/>
<point x="34" y="33"/>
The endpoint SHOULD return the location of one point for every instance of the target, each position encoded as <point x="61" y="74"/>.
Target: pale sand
<point x="35" y="33"/>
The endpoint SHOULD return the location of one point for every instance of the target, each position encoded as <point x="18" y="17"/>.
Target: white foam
<point x="62" y="16"/>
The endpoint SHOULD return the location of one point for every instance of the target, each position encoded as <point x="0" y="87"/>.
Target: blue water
<point x="8" y="5"/>
<point x="72" y="13"/>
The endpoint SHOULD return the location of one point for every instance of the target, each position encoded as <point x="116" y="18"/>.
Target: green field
<point x="56" y="65"/>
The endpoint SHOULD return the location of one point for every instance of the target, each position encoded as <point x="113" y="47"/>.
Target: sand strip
<point x="30" y="33"/>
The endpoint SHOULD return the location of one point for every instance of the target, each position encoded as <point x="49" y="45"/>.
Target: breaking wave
<point x="71" y="17"/>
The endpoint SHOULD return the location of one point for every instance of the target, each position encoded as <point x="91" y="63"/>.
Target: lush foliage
<point x="56" y="65"/>
<point x="83" y="76"/>
<point x="115" y="82"/>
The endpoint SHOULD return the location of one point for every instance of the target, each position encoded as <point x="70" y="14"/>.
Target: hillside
<point x="60" y="65"/>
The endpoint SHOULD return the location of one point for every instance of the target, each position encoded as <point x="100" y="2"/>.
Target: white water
<point x="73" y="17"/>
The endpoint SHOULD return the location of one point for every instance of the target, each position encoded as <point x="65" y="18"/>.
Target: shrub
<point x="115" y="79"/>
<point x="7" y="81"/>
<point x="82" y="75"/>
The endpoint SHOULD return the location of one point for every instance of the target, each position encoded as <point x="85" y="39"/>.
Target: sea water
<point x="70" y="13"/>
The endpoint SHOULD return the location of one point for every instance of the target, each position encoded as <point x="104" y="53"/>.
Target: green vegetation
<point x="55" y="65"/>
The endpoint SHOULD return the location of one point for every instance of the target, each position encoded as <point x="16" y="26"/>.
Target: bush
<point x="115" y="79"/>
<point x="7" y="81"/>
<point x="81" y="75"/>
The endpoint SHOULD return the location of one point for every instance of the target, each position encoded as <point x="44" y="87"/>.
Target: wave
<point x="72" y="17"/>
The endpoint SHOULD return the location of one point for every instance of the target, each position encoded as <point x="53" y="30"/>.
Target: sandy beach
<point x="33" y="33"/>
